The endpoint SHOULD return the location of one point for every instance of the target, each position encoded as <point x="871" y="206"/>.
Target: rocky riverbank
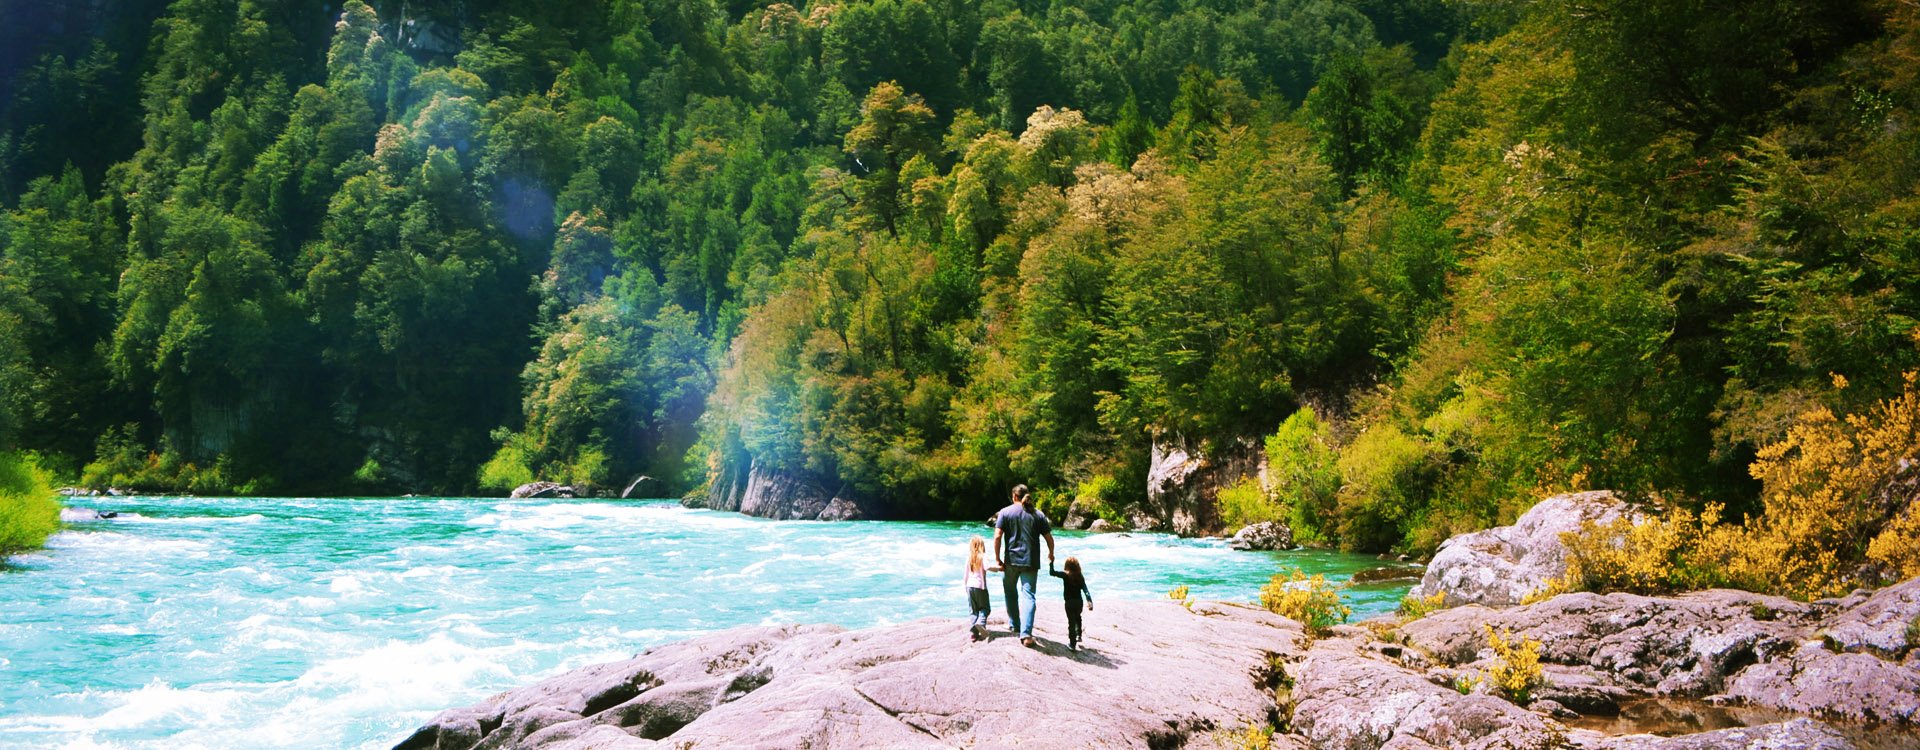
<point x="1831" y="674"/>
<point x="1158" y="675"/>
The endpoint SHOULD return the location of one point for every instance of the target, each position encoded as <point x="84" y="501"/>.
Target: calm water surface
<point x="345" y="623"/>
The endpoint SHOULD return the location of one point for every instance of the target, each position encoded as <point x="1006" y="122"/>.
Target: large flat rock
<point x="1159" y="675"/>
<point x="1150" y="675"/>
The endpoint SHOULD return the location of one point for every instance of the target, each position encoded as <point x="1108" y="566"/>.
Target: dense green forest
<point x="1439" y="256"/>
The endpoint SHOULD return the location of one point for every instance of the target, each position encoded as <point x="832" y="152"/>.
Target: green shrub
<point x="29" y="510"/>
<point x="589" y="469"/>
<point x="1247" y="503"/>
<point x="507" y="469"/>
<point x="122" y="461"/>
<point x="1305" y="470"/>
<point x="1415" y="607"/>
<point x="1310" y="601"/>
<point x="1386" y="474"/>
<point x="369" y="472"/>
<point x="119" y="459"/>
<point x="1100" y="495"/>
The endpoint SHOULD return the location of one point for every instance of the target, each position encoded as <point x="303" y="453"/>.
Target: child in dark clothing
<point x="1074" y="584"/>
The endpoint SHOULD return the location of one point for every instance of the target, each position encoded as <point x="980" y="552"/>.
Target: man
<point x="1017" y="531"/>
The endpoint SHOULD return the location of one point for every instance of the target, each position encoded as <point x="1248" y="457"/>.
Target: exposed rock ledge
<point x="1156" y="675"/>
<point x="762" y="491"/>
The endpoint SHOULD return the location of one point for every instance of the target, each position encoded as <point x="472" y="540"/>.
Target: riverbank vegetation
<point x="1837" y="514"/>
<point x="1435" y="258"/>
<point x="28" y="511"/>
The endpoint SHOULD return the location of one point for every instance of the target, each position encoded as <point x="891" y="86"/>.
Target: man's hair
<point x="1021" y="493"/>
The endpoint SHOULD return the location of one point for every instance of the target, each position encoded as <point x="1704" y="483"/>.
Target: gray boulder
<point x="542" y="490"/>
<point x="1883" y="623"/>
<point x="1079" y="516"/>
<point x="1501" y="566"/>
<point x="1263" y="536"/>
<point x="1151" y="674"/>
<point x="840" y="509"/>
<point x="1347" y="698"/>
<point x="1682" y="646"/>
<point x="1155" y="674"/>
<point x="1103" y="526"/>
<point x="1813" y="680"/>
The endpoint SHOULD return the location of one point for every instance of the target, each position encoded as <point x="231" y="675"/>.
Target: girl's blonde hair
<point x="976" y="547"/>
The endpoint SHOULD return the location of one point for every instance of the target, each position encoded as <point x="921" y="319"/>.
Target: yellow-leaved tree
<point x="1837" y="491"/>
<point x="1838" y="514"/>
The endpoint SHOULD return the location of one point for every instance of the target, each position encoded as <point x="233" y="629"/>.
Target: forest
<point x="1436" y="258"/>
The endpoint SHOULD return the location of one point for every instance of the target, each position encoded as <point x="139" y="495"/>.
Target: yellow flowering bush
<point x="1518" y="672"/>
<point x="1415" y="607"/>
<point x="1837" y="514"/>
<point x="1827" y="507"/>
<point x="1310" y="601"/>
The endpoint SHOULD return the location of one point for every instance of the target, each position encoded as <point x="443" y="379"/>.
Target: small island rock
<point x="542" y="490"/>
<point x="1263" y="536"/>
<point x="79" y="515"/>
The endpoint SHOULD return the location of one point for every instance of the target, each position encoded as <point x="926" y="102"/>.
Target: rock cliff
<point x="759" y="490"/>
<point x="1184" y="480"/>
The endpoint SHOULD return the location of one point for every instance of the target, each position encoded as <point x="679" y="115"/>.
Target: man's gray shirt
<point x="1020" y="530"/>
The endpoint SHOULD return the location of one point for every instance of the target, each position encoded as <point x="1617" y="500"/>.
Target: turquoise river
<point x="344" y="623"/>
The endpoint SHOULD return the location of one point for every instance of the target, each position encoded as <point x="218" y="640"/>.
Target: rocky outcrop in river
<point x="1263" y="536"/>
<point x="82" y="515"/>
<point x="542" y="490"/>
<point x="787" y="495"/>
<point x="1157" y="675"/>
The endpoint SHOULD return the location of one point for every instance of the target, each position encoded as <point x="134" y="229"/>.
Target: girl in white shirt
<point x="976" y="580"/>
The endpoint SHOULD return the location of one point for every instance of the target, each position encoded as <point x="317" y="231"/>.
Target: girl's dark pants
<point x="1073" y="622"/>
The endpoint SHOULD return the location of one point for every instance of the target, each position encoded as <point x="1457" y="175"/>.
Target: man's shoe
<point x="1028" y="642"/>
